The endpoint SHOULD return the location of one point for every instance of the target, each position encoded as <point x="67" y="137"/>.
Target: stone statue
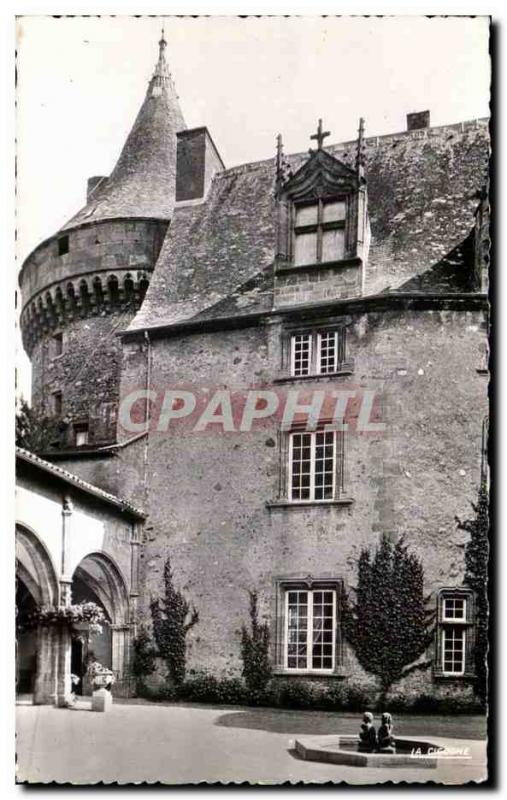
<point x="386" y="740"/>
<point x="367" y="734"/>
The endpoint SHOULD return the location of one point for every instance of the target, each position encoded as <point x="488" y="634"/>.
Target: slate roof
<point x="423" y="189"/>
<point x="142" y="184"/>
<point x="25" y="456"/>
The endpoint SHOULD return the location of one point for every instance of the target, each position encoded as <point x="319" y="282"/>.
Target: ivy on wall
<point x="388" y="625"/>
<point x="35" y="432"/>
<point x="476" y="577"/>
<point x="255" y="651"/>
<point x="143" y="663"/>
<point x="172" y="619"/>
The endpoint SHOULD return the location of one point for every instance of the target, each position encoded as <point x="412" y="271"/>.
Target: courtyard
<point x="139" y="741"/>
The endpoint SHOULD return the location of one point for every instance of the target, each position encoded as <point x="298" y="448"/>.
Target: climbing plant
<point x="87" y="613"/>
<point x="172" y="619"/>
<point x="143" y="663"/>
<point x="36" y="432"/>
<point x="476" y="577"/>
<point x="388" y="624"/>
<point x="255" y="650"/>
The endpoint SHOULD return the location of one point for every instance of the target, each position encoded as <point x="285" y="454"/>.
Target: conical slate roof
<point x="143" y="182"/>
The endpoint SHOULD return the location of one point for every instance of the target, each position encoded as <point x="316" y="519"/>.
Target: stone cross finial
<point x="320" y="135"/>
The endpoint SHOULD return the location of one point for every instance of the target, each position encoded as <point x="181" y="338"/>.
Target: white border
<point x="7" y="11"/>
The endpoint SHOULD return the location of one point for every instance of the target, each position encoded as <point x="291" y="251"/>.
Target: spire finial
<point x="320" y="135"/>
<point x="360" y="149"/>
<point x="283" y="170"/>
<point x="161" y="74"/>
<point x="162" y="43"/>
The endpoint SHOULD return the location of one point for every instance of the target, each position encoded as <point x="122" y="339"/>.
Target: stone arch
<point x="98" y="578"/>
<point x="98" y="291"/>
<point x="36" y="585"/>
<point x="129" y="287"/>
<point x="143" y="288"/>
<point x="113" y="290"/>
<point x="102" y="575"/>
<point x="70" y="297"/>
<point x="32" y="557"/>
<point x="59" y="302"/>
<point x="84" y="295"/>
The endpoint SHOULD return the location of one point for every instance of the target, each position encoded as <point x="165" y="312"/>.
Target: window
<point x="81" y="433"/>
<point x="57" y="402"/>
<point x="319" y="232"/>
<point x="454" y="609"/>
<point x="317" y="353"/>
<point x="310" y="624"/>
<point x="453" y="650"/>
<point x="313" y="459"/>
<point x="301" y="354"/>
<point x="455" y="633"/>
<point x="63" y="245"/>
<point x="57" y="345"/>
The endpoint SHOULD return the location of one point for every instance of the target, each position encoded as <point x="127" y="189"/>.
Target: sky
<point x="81" y="81"/>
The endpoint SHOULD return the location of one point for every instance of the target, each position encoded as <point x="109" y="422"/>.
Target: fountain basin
<point x="410" y="752"/>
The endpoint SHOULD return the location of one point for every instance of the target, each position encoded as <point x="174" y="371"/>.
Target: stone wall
<point x="85" y="296"/>
<point x="208" y="492"/>
<point x="102" y="247"/>
<point x="318" y="284"/>
<point x="87" y="373"/>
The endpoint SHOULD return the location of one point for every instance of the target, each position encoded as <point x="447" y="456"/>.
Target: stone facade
<point x="213" y="495"/>
<point x="225" y="299"/>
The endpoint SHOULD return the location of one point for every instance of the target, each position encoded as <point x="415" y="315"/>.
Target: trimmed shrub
<point x="298" y="694"/>
<point x="204" y="688"/>
<point x="453" y="704"/>
<point x="162" y="694"/>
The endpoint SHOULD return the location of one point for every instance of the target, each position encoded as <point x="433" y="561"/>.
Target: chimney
<point x="418" y="120"/>
<point x="92" y="184"/>
<point x="197" y="161"/>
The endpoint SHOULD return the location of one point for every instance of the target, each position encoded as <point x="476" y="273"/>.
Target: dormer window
<point x="319" y="231"/>
<point x="322" y="229"/>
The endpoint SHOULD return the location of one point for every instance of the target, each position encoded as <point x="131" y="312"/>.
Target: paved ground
<point x="191" y="744"/>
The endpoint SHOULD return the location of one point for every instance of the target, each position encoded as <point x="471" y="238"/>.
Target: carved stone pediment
<point x="321" y="176"/>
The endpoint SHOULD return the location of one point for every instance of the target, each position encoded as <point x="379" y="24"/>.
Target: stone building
<point x="73" y="541"/>
<point x="351" y="279"/>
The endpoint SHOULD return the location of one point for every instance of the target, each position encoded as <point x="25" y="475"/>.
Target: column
<point x="120" y="641"/>
<point x="63" y="657"/>
<point x="46" y="669"/>
<point x="63" y="641"/>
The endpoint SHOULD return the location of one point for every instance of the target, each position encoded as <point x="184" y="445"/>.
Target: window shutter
<point x="470" y="635"/>
<point x="278" y="659"/>
<point x="341" y="346"/>
<point x="338" y="662"/>
<point x="283" y="230"/>
<point x="351" y="226"/>
<point x="437" y="663"/>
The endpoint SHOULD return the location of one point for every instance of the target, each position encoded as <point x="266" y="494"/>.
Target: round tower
<point x="85" y="283"/>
